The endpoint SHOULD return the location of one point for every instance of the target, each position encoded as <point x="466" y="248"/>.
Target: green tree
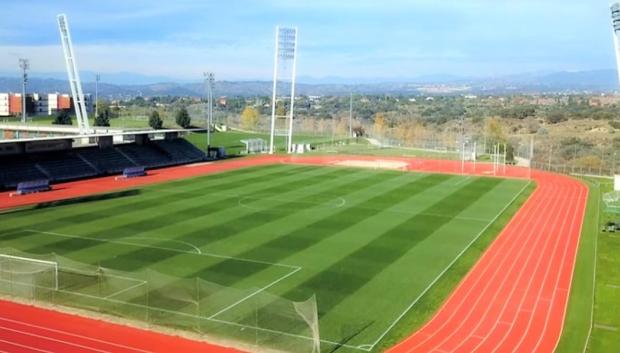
<point x="155" y="121"/>
<point x="103" y="119"/>
<point x="183" y="119"/>
<point x="62" y="118"/>
<point x="249" y="118"/>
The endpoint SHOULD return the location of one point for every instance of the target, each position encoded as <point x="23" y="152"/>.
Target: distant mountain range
<point x="129" y="85"/>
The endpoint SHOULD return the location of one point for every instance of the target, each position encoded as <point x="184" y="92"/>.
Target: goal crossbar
<point x="52" y="264"/>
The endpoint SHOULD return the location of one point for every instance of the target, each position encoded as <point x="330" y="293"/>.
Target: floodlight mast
<point x="615" y="21"/>
<point x="24" y="64"/>
<point x="97" y="78"/>
<point x="285" y="51"/>
<point x="274" y="94"/>
<point x="73" y="74"/>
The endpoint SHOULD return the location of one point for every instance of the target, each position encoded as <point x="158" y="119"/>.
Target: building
<point x="40" y="104"/>
<point x="4" y="104"/>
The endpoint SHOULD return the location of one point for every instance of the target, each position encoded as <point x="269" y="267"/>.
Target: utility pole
<point x="209" y="78"/>
<point x="97" y="78"/>
<point x="351" y="116"/>
<point x="24" y="64"/>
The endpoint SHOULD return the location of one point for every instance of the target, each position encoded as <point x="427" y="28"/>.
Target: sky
<point x="355" y="39"/>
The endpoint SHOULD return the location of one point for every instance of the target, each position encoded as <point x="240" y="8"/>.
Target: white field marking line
<point x="121" y="242"/>
<point x="494" y="255"/>
<point x="46" y="338"/>
<point x="556" y="244"/>
<point x="197" y="249"/>
<point x="606" y="327"/>
<point x="119" y="292"/>
<point x="72" y="334"/>
<point x="614" y="286"/>
<point x="415" y="301"/>
<point x="260" y="290"/>
<point x="24" y="346"/>
<point x="497" y="274"/>
<point x="559" y="275"/>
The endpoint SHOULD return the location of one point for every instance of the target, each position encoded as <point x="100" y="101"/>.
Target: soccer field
<point x="367" y="243"/>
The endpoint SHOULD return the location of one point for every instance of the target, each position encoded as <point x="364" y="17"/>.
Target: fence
<point x="248" y="318"/>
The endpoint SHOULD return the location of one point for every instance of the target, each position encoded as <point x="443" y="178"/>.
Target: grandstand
<point x="57" y="159"/>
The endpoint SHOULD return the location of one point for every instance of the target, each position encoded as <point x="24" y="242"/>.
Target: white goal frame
<point x="53" y="264"/>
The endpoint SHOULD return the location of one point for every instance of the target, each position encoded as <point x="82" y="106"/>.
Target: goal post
<point x="20" y="270"/>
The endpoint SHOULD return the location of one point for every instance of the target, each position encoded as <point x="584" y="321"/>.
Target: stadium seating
<point x="181" y="151"/>
<point x="92" y="161"/>
<point x="28" y="187"/>
<point x="146" y="155"/>
<point x="14" y="170"/>
<point x="107" y="160"/>
<point x="65" y="166"/>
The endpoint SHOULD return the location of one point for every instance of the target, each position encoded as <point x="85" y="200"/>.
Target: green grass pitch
<point x="368" y="243"/>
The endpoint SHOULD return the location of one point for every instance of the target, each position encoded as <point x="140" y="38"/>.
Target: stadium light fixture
<point x="24" y="64"/>
<point x="615" y="22"/>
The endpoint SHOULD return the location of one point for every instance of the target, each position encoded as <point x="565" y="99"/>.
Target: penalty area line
<point x="260" y="290"/>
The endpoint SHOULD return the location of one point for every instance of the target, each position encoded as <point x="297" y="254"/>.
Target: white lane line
<point x="495" y="250"/>
<point x="73" y="334"/>
<point x="47" y="338"/>
<point x="24" y="346"/>
<point x="526" y="250"/>
<point x="572" y="270"/>
<point x="548" y="270"/>
<point x="458" y="256"/>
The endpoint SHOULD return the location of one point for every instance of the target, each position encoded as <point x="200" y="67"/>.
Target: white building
<point x="4" y="104"/>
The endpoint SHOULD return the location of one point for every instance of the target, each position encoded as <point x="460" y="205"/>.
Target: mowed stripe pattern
<point x="353" y="232"/>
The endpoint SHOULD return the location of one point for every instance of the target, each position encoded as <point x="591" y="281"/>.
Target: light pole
<point x="97" y="78"/>
<point x="351" y="116"/>
<point x="209" y="77"/>
<point x="24" y="64"/>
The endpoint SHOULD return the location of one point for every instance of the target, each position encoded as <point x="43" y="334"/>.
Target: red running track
<point x="513" y="300"/>
<point x="27" y="329"/>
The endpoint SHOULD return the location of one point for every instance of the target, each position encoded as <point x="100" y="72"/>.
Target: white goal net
<point x="25" y="277"/>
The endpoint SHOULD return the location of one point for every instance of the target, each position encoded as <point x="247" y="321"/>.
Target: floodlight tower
<point x="285" y="69"/>
<point x="615" y="21"/>
<point x="74" y="75"/>
<point x="97" y="78"/>
<point x="24" y="64"/>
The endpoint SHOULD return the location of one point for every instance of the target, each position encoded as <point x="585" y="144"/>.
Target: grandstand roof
<point x="107" y="134"/>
